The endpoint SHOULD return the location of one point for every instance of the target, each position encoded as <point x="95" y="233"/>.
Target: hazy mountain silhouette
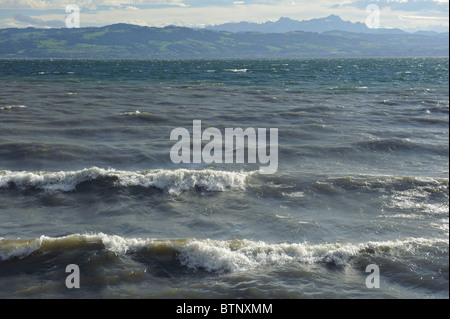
<point x="321" y="25"/>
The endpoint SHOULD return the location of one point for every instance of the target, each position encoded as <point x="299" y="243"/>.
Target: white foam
<point x="415" y="200"/>
<point x="137" y="112"/>
<point x="284" y="217"/>
<point x="231" y="256"/>
<point x="442" y="224"/>
<point x="294" y="194"/>
<point x="404" y="216"/>
<point x="17" y="248"/>
<point x="10" y="107"/>
<point x="236" y="70"/>
<point x="172" y="181"/>
<point x="224" y="256"/>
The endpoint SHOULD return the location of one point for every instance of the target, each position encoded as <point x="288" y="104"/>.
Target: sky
<point x="409" y="15"/>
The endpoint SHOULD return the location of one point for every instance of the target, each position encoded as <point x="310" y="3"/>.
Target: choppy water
<point x="86" y="179"/>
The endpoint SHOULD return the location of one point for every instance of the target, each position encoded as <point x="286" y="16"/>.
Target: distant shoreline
<point x="123" y="41"/>
<point x="225" y="59"/>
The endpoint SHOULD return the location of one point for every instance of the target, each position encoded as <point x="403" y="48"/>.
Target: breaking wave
<point x="172" y="181"/>
<point x="10" y="107"/>
<point x="215" y="255"/>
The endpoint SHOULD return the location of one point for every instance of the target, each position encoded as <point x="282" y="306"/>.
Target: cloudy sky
<point x="410" y="15"/>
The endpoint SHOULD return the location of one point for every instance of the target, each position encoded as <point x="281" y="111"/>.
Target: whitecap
<point x="172" y="181"/>
<point x="237" y="70"/>
<point x="221" y="256"/>
<point x="294" y="194"/>
<point x="137" y="112"/>
<point x="10" y="107"/>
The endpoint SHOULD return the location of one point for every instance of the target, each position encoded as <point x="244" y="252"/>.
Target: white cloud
<point x="26" y="4"/>
<point x="89" y="4"/>
<point x="198" y="13"/>
<point x="413" y="17"/>
<point x="201" y="16"/>
<point x="138" y="22"/>
<point x="121" y="3"/>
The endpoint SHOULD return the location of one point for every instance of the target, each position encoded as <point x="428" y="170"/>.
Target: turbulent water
<point x="86" y="178"/>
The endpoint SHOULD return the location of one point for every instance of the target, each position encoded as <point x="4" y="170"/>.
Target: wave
<point x="236" y="70"/>
<point x="27" y="152"/>
<point x="417" y="199"/>
<point x="390" y="182"/>
<point x="10" y="107"/>
<point x="172" y="181"/>
<point x="137" y="112"/>
<point x="296" y="183"/>
<point x="145" y="115"/>
<point x="430" y="120"/>
<point x="214" y="255"/>
<point x="389" y="145"/>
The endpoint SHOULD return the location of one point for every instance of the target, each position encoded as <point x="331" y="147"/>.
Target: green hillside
<point x="130" y="41"/>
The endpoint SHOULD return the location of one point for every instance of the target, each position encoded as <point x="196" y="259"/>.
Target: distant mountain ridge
<point x="125" y="41"/>
<point x="320" y="25"/>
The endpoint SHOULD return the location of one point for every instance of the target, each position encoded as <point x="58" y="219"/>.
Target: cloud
<point x="85" y="4"/>
<point x="197" y="13"/>
<point x="404" y="5"/>
<point x="36" y="22"/>
<point x="34" y="4"/>
<point x="413" y="17"/>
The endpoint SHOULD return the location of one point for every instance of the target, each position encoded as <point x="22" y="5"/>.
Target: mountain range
<point x="320" y="25"/>
<point x="125" y="41"/>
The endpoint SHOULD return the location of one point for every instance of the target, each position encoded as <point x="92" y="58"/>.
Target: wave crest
<point x="172" y="181"/>
<point x="215" y="255"/>
<point x="10" y="107"/>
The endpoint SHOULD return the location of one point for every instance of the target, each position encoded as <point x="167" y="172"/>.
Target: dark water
<point x="86" y="178"/>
